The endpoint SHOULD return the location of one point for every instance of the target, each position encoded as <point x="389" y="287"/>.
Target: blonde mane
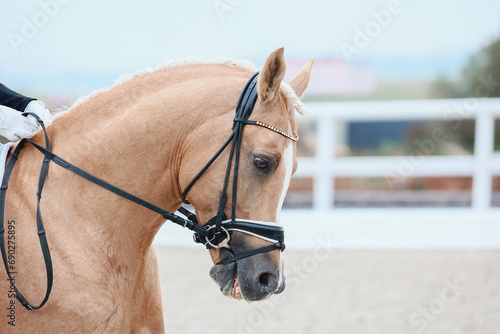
<point x="293" y="101"/>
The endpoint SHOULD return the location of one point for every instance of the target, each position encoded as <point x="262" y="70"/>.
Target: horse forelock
<point x="292" y="100"/>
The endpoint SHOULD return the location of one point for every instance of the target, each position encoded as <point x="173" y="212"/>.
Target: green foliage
<point x="480" y="76"/>
<point x="483" y="70"/>
<point x="444" y="88"/>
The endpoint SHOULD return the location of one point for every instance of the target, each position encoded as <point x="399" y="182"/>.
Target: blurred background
<point x="400" y="148"/>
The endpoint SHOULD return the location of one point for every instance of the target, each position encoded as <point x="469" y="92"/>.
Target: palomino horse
<point x="150" y="135"/>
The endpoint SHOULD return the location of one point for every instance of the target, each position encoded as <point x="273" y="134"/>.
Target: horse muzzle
<point x="252" y="278"/>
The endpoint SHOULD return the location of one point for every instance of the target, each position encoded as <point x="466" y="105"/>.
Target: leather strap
<point x="270" y="232"/>
<point x="103" y="184"/>
<point x="39" y="222"/>
<point x="278" y="245"/>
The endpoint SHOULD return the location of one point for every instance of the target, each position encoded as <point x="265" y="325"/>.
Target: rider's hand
<point x="14" y="126"/>
<point x="38" y="107"/>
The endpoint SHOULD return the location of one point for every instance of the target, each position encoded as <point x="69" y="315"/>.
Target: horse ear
<point x="271" y="75"/>
<point x="300" y="81"/>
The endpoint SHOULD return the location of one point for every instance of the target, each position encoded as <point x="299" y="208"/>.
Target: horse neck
<point x="133" y="137"/>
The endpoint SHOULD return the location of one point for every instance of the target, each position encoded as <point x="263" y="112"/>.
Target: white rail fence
<point x="474" y="227"/>
<point x="480" y="166"/>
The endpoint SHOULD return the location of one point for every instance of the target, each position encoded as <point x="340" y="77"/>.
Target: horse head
<point x="267" y="162"/>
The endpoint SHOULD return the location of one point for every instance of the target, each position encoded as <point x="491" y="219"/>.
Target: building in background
<point x="336" y="77"/>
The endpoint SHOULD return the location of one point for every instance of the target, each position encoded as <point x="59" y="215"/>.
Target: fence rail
<point x="481" y="166"/>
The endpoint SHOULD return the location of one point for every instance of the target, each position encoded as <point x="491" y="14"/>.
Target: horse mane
<point x="293" y="101"/>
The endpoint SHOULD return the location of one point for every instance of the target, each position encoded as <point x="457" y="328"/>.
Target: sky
<point x="61" y="46"/>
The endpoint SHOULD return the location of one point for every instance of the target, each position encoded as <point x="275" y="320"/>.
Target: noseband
<point x="216" y="233"/>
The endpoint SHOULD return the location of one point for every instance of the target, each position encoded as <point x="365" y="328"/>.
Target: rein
<point x="216" y="233"/>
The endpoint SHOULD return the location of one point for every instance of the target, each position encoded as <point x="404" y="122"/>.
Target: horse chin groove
<point x="224" y="275"/>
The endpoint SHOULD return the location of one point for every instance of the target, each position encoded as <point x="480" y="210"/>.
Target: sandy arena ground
<point x="342" y="291"/>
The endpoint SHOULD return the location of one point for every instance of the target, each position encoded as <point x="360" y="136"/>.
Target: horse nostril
<point x="264" y="279"/>
<point x="268" y="283"/>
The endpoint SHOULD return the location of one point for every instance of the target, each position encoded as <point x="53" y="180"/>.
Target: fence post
<point x="323" y="181"/>
<point x="483" y="150"/>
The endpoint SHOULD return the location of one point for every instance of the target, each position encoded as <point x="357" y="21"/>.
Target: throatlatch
<point x="215" y="233"/>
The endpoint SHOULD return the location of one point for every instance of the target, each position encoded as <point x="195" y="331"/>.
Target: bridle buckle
<point x="224" y="243"/>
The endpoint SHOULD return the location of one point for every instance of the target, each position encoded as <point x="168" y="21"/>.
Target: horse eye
<point x="261" y="163"/>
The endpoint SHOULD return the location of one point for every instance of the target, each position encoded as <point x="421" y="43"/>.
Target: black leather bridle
<point x="215" y="233"/>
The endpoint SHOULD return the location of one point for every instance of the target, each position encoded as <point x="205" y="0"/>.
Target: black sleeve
<point x="12" y="99"/>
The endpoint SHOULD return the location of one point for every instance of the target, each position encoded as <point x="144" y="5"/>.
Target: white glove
<point x="38" y="107"/>
<point x="14" y="126"/>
